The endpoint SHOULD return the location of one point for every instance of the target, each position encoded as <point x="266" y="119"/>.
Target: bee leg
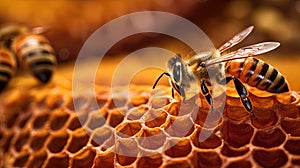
<point x="206" y="93"/>
<point x="243" y="93"/>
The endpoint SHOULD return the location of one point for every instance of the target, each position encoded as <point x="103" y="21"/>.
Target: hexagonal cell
<point x="6" y="141"/>
<point x="128" y="129"/>
<point x="95" y="120"/>
<point x="293" y="146"/>
<point x="100" y="135"/>
<point x="151" y="138"/>
<point x="115" y="117"/>
<point x="291" y="126"/>
<point x="38" y="139"/>
<point x="54" y="101"/>
<point x="199" y="116"/>
<point x="288" y="110"/>
<point x="230" y="151"/>
<point x="57" y="160"/>
<point x="210" y="119"/>
<point x="157" y="102"/>
<point x="117" y="102"/>
<point x="58" y="119"/>
<point x="138" y="99"/>
<point x="210" y="141"/>
<point x="124" y="160"/>
<point x="136" y="113"/>
<point x="21" y="139"/>
<point x="150" y="161"/>
<point x="40" y="120"/>
<point x="264" y="118"/>
<point x="181" y="126"/>
<point x="78" y="140"/>
<point x="83" y="158"/>
<point x="239" y="164"/>
<point x="236" y="113"/>
<point x="57" y="141"/>
<point x="37" y="159"/>
<point x="101" y="100"/>
<point x="155" y="118"/>
<point x="270" y="158"/>
<point x="186" y="107"/>
<point x="23" y="120"/>
<point x="21" y="159"/>
<point x="237" y="135"/>
<point x="171" y="108"/>
<point x="206" y="159"/>
<point x="73" y="123"/>
<point x="105" y="160"/>
<point x="288" y="98"/>
<point x="126" y="151"/>
<point x="11" y="120"/>
<point x="268" y="138"/>
<point x="177" y="147"/>
<point x="81" y="103"/>
<point x="262" y="102"/>
<point x="234" y="101"/>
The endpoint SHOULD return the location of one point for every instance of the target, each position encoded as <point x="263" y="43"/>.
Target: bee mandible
<point x="239" y="66"/>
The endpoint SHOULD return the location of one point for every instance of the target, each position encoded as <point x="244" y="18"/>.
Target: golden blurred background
<point x="71" y="22"/>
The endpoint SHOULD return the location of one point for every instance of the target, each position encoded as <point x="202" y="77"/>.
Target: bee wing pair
<point x="243" y="52"/>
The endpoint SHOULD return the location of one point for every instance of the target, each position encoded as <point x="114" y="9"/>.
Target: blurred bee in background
<point x="9" y="32"/>
<point x="8" y="66"/>
<point x="35" y="52"/>
<point x="239" y="66"/>
<point x="28" y="48"/>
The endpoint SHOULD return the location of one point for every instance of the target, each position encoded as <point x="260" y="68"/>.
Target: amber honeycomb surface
<point x="40" y="128"/>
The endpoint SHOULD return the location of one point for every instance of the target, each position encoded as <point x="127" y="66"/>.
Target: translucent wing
<point x="236" y="39"/>
<point x="244" y="52"/>
<point x="39" y="30"/>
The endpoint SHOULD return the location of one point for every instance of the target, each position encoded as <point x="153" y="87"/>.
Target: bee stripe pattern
<point x="7" y="67"/>
<point x="37" y="54"/>
<point x="258" y="74"/>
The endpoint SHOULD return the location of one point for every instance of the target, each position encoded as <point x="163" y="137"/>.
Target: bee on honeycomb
<point x="45" y="131"/>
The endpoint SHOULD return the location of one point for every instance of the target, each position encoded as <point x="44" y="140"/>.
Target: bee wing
<point x="39" y="30"/>
<point x="245" y="52"/>
<point x="236" y="39"/>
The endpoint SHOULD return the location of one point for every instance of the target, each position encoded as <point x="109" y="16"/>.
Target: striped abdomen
<point x="37" y="54"/>
<point x="257" y="73"/>
<point x="7" y="67"/>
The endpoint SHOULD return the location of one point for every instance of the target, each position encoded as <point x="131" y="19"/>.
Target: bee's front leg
<point x="206" y="93"/>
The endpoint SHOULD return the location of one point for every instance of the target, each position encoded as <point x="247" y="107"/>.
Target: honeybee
<point x="8" y="66"/>
<point x="9" y="32"/>
<point x="239" y="66"/>
<point x="36" y="53"/>
<point x="27" y="47"/>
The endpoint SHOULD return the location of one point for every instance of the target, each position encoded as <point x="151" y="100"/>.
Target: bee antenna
<point x="161" y="75"/>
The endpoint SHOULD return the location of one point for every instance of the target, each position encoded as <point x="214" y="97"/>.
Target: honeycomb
<point x="40" y="128"/>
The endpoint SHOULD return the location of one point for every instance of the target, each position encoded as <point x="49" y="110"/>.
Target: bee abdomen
<point x="257" y="73"/>
<point x="37" y="54"/>
<point x="7" y="67"/>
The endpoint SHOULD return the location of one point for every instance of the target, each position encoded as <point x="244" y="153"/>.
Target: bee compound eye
<point x="177" y="72"/>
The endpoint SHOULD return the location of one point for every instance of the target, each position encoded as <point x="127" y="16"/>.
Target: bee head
<point x="178" y="74"/>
